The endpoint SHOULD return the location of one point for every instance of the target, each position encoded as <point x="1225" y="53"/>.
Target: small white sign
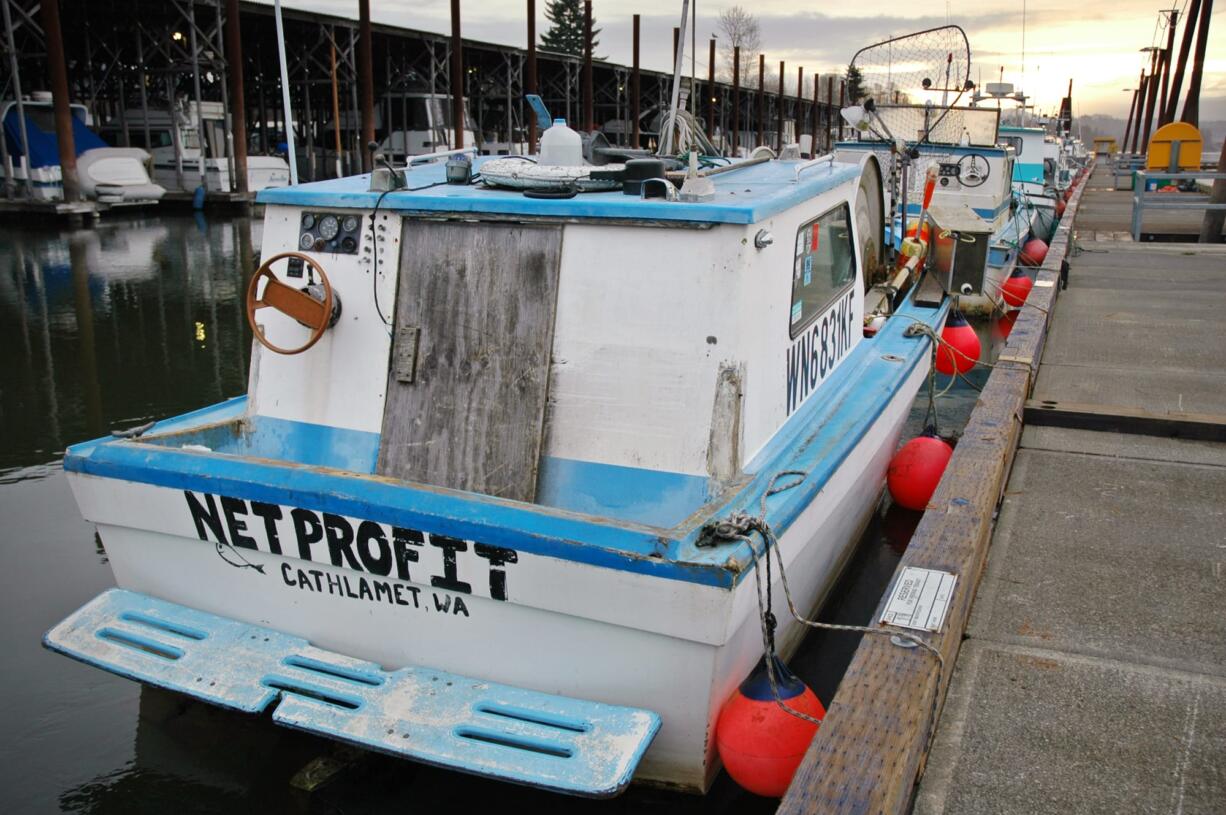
<point x="920" y="599"/>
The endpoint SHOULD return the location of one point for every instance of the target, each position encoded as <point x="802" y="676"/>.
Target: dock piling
<point x="457" y="76"/>
<point x="58" y="71"/>
<point x="366" y="79"/>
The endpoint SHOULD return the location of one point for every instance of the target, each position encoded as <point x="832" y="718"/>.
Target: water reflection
<point x="111" y="327"/>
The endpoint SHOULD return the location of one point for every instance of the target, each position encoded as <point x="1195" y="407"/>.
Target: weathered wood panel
<point x="470" y="357"/>
<point x="873" y="742"/>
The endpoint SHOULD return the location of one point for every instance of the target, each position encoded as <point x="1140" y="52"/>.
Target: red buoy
<point x="1060" y="207"/>
<point x="1004" y="324"/>
<point x="965" y="351"/>
<point x="760" y="743"/>
<point x="1017" y="288"/>
<point x="916" y="470"/>
<point x="1068" y="193"/>
<point x="1033" y="252"/>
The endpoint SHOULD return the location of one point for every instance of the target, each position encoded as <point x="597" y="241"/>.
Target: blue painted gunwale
<point x="744" y="196"/>
<point x="817" y="438"/>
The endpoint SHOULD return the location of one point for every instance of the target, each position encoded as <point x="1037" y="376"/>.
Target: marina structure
<point x="352" y="81"/>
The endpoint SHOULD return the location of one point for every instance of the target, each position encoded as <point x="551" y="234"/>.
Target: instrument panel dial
<point x="329" y="227"/>
<point x="338" y="233"/>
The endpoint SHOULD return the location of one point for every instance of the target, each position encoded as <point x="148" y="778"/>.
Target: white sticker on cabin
<point x="797" y="311"/>
<point x="920" y="599"/>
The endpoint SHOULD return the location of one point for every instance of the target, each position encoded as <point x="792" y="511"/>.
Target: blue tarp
<point x="44" y="147"/>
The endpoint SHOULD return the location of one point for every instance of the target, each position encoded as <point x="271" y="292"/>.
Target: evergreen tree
<point x="565" y="34"/>
<point x="855" y="85"/>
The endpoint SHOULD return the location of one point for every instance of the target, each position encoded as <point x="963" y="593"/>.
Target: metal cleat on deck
<point x="538" y="739"/>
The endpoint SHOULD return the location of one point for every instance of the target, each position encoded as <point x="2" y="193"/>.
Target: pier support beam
<point x="1185" y="48"/>
<point x="779" y="113"/>
<point x="736" y="98"/>
<point x="635" y="78"/>
<point x="588" y="122"/>
<point x="366" y="78"/>
<point x="457" y="76"/>
<point x="530" y="73"/>
<point x="59" y="95"/>
<point x="1191" y="107"/>
<point x="761" y="99"/>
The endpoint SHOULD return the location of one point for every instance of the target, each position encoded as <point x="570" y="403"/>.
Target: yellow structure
<point x="1159" y="155"/>
<point x="1105" y="146"/>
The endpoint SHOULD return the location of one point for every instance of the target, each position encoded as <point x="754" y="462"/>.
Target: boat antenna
<point x="666" y="143"/>
<point x="289" y="111"/>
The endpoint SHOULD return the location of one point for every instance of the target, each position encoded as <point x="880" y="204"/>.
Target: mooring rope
<point x="741" y="526"/>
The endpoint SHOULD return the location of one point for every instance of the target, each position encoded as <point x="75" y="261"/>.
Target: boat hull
<point x="541" y="623"/>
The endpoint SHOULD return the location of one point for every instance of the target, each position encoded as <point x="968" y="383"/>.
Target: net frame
<point x="941" y="56"/>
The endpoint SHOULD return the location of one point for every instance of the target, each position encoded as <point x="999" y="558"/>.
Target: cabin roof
<point x="744" y="196"/>
<point x="924" y="147"/>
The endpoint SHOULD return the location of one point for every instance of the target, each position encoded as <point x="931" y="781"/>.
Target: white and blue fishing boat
<point x="468" y="494"/>
<point x="974" y="195"/>
<point x="1030" y="176"/>
<point x="482" y="504"/>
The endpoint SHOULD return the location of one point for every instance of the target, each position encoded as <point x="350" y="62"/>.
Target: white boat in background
<point x="974" y="195"/>
<point x="174" y="142"/>
<point x="1030" y="175"/>
<point x="110" y="175"/>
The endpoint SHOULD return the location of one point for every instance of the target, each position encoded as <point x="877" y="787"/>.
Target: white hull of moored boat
<point x="566" y="628"/>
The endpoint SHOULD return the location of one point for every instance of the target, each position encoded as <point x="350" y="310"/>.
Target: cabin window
<point x="825" y="265"/>
<point x="1013" y="141"/>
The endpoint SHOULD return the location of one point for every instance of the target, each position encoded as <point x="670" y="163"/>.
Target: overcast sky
<point x="1094" y="42"/>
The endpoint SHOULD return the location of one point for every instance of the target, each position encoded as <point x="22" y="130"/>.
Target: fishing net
<point x="955" y="125"/>
<point x="927" y="66"/>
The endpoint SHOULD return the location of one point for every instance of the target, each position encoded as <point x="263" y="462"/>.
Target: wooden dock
<point x="1086" y="671"/>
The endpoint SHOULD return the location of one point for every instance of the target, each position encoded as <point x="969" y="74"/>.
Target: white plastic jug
<point x="561" y="146"/>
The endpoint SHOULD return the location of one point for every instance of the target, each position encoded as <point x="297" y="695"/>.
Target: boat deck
<point x="1092" y="673"/>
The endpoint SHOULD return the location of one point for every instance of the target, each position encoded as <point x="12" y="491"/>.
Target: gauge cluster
<point x="330" y="232"/>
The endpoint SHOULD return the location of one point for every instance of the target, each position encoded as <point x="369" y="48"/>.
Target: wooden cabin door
<point x="471" y="350"/>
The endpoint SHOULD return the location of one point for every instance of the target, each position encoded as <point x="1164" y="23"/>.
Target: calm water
<point x="141" y="319"/>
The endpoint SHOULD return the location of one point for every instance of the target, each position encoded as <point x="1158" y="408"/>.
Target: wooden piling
<point x="1166" y="66"/>
<point x="800" y="102"/>
<point x="829" y="110"/>
<point x="635" y="96"/>
<point x="1185" y="48"/>
<point x="1191" y="107"/>
<point x="779" y="116"/>
<point x="1151" y="98"/>
<point x="59" y="96"/>
<point x="1143" y="89"/>
<point x="813" y="114"/>
<point x="842" y="104"/>
<point x="457" y="76"/>
<point x="589" y="123"/>
<point x="1131" y="112"/>
<point x="366" y="81"/>
<point x="238" y="104"/>
<point x="530" y="73"/>
<point x="761" y="99"/>
<point x="736" y="98"/>
<point x="873" y="742"/>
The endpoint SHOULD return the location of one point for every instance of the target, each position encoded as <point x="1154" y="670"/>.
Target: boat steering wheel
<point x="307" y="309"/>
<point x="974" y="174"/>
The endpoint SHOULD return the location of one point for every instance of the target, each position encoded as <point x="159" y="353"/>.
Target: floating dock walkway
<point x="1091" y="676"/>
